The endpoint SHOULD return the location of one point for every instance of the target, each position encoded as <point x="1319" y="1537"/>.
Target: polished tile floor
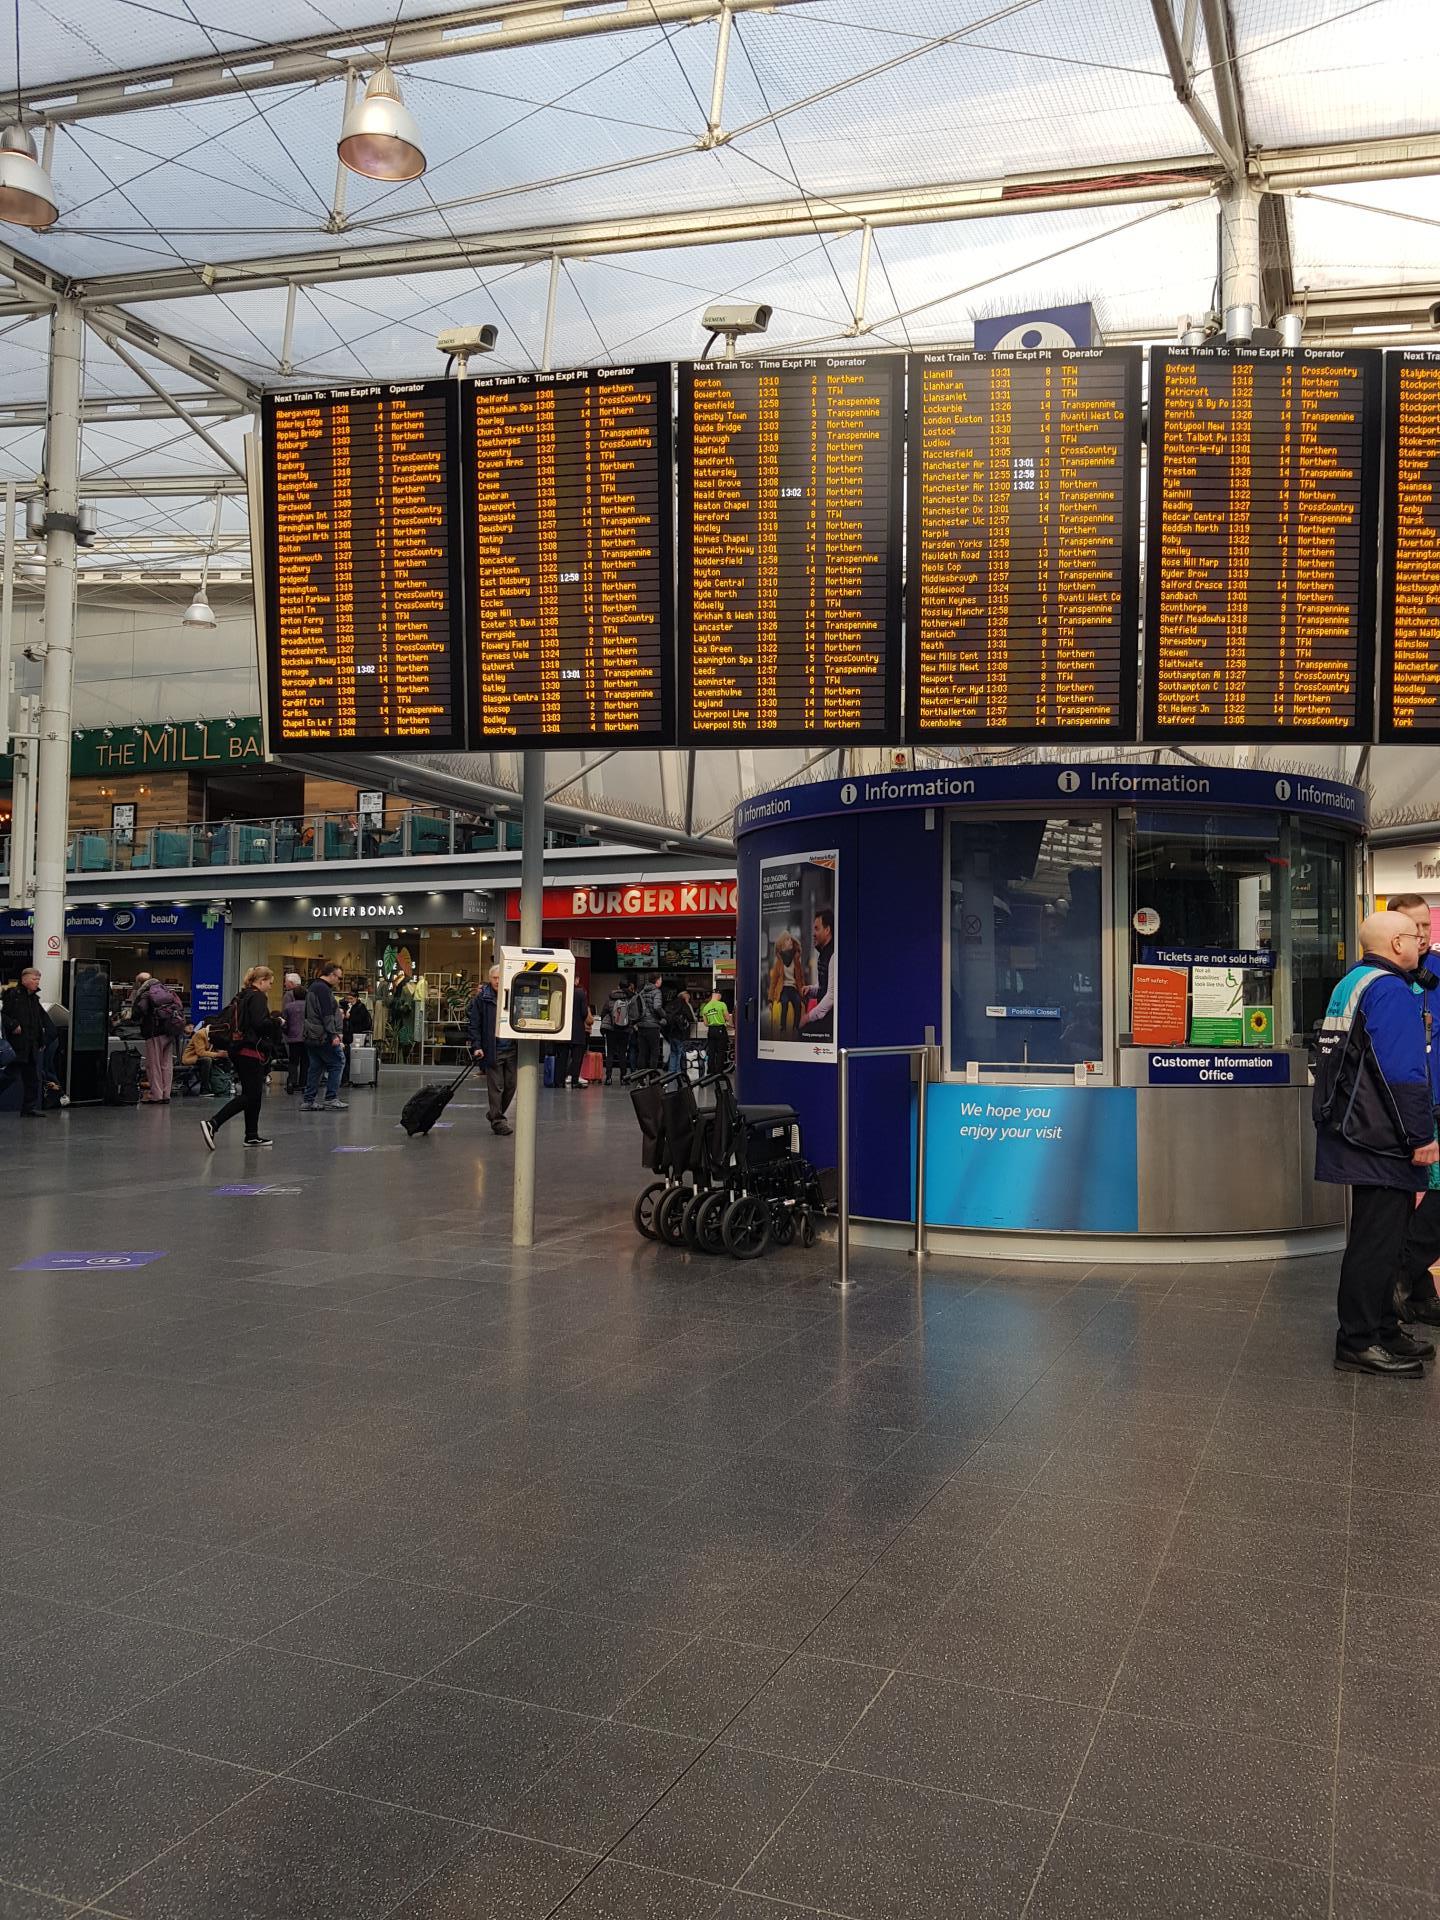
<point x="353" y="1566"/>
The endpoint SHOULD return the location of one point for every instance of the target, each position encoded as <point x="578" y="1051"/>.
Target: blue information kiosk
<point x="1114" y="966"/>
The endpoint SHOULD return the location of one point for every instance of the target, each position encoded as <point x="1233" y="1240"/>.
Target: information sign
<point x="1217" y="1006"/>
<point x="790" y="550"/>
<point x="1410" y="575"/>
<point x="1260" y="593"/>
<point x="1159" y="997"/>
<point x="1024" y="545"/>
<point x="362" y="567"/>
<point x="570" y="544"/>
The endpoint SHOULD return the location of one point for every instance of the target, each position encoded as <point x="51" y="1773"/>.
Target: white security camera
<point x="742" y="317"/>
<point x="463" y="341"/>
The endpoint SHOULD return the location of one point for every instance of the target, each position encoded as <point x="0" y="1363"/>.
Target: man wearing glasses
<point x="1375" y="1133"/>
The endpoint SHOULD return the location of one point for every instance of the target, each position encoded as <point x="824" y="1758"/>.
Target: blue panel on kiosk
<point x="1036" y="1160"/>
<point x="1209" y="1067"/>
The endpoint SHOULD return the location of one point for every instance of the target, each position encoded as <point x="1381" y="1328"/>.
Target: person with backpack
<point x="614" y="1028"/>
<point x="679" y="1030"/>
<point x="161" y="1019"/>
<point x="1375" y="1133"/>
<point x="325" y="1039"/>
<point x="27" y="1030"/>
<point x="648" y="1011"/>
<point x="253" y="1034"/>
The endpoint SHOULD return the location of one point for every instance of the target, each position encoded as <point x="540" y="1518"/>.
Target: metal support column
<point x="715" y="121"/>
<point x="1240" y="249"/>
<point x="7" y="614"/>
<point x="57" y="682"/>
<point x="532" y="928"/>
<point x="547" y="346"/>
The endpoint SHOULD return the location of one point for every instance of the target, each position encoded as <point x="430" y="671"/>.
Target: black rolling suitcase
<point x="424" y="1108"/>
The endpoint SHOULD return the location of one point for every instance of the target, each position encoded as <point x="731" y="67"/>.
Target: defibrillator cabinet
<point x="537" y="992"/>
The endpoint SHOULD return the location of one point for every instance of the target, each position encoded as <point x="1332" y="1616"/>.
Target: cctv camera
<point x="463" y="341"/>
<point x="743" y="317"/>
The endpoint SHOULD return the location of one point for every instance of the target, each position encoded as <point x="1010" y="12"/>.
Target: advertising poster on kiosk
<point x="799" y="979"/>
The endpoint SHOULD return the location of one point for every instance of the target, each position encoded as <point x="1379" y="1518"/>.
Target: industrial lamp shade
<point x="27" y="197"/>
<point x="380" y="138"/>
<point x="199" y="613"/>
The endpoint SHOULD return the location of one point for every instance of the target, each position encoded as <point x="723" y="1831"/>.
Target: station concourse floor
<point x="353" y="1565"/>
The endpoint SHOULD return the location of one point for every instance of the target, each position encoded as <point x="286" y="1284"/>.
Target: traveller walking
<point x="1415" y="1293"/>
<point x="28" y="1029"/>
<point x="489" y="1051"/>
<point x="292" y="1012"/>
<point x="162" y="1020"/>
<point x="324" y="1039"/>
<point x="614" y="1027"/>
<point x="570" y="1065"/>
<point x="648" y="1013"/>
<point x="715" y="1016"/>
<point x="1375" y="1133"/>
<point x="679" y="1030"/>
<point x="256" y="1034"/>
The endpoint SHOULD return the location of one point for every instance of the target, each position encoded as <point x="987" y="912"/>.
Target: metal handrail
<point x="922" y="1053"/>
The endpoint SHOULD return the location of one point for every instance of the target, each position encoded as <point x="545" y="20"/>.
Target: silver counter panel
<point x="1216" y="1160"/>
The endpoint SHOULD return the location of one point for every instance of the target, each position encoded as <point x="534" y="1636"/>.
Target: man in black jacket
<point x="649" y="1006"/>
<point x="29" y="1030"/>
<point x="325" y="1038"/>
<point x="495" y="1055"/>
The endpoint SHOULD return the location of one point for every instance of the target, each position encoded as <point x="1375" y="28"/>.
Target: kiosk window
<point x="1025" y="942"/>
<point x="1319" y="936"/>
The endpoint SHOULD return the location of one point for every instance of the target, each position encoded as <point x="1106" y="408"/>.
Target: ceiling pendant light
<point x="379" y="138"/>
<point x="199" y="613"/>
<point x="27" y="198"/>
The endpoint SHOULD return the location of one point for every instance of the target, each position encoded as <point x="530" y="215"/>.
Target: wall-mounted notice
<point x="1217" y="1007"/>
<point x="1158" y="1001"/>
<point x="799" y="974"/>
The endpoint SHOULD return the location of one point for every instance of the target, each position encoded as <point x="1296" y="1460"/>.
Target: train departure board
<point x="362" y="567"/>
<point x="570" y="557"/>
<point x="1261" y="548"/>
<point x="790" y="549"/>
<point x="1023" y="608"/>
<point x="1410" y="574"/>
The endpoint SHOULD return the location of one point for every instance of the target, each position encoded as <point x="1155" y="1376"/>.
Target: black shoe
<point x="1426" y="1310"/>
<point x="255" y="1140"/>
<point x="1408" y="1348"/>
<point x="1376" y="1359"/>
<point x="501" y="1126"/>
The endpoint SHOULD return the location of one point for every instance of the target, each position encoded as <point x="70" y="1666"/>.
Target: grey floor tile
<point x="1105" y="1873"/>
<point x="391" y="1624"/>
<point x="713" y="1823"/>
<point x="1377" y="1900"/>
<point x="984" y="1639"/>
<point x="1391" y="1714"/>
<point x="572" y="1661"/>
<point x="103" y="1567"/>
<point x="19" y="1903"/>
<point x="1291" y="1502"/>
<point x="1267" y="1547"/>
<point x="499" y="1877"/>
<point x="98" y="1665"/>
<point x="1223" y="1604"/>
<point x="703" y="1687"/>
<point x="603" y="1787"/>
<point x="243" y="1595"/>
<point x="1211" y="1787"/>
<point x="619" y="1892"/>
<point x="1275" y="1692"/>
<point x="880" y="1850"/>
<point x="259" y="1707"/>
<point x="292" y="1849"/>
<point x="89" y="1813"/>
<point x="971" y="1740"/>
<point x="807" y="1709"/>
<point x="874" y="1623"/>
<point x="458" y="1755"/>
<point x="1384" y="1826"/>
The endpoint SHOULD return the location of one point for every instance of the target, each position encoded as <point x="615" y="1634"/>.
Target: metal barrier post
<point x="919" y="1249"/>
<point x="843" y="1282"/>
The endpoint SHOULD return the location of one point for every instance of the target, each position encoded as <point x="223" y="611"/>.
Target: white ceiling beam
<point x="318" y="57"/>
<point x="97" y="410"/>
<point x="1225" y="70"/>
<point x="1185" y="177"/>
<point x="113" y="324"/>
<point x="1182" y="78"/>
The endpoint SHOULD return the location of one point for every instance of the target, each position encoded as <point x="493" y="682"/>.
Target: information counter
<point x="1114" y="966"/>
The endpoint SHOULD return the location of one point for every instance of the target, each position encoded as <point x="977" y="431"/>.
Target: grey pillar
<point x="532" y="916"/>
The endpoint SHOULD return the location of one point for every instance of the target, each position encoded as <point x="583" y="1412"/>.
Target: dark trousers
<point x="617" y="1049"/>
<point x="28" y="1074"/>
<point x="251" y="1075"/>
<point x="648" y="1056"/>
<point x="1422" y="1249"/>
<point x="571" y="1064"/>
<point x="299" y="1060"/>
<point x="500" y="1079"/>
<point x="1379" y="1223"/>
<point x="717" y="1050"/>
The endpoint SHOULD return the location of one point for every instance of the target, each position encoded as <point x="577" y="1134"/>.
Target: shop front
<point x="1114" y="968"/>
<point x="624" y="930"/>
<point x="1404" y="866"/>
<point x="418" y="957"/>
<point x="181" y="945"/>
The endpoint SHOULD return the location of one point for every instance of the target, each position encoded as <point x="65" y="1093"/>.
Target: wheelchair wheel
<point x="746" y="1227"/>
<point x="670" y="1216"/>
<point x="782" y="1226"/>
<point x="644" y="1210"/>
<point x="690" y="1224"/>
<point x="707" y="1220"/>
<point x="807" y="1229"/>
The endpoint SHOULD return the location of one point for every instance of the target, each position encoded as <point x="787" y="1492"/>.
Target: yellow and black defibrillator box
<point x="537" y="992"/>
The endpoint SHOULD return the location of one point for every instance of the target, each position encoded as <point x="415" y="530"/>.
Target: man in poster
<point x="819" y="1019"/>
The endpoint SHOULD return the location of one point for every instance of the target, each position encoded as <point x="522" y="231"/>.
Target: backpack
<point x="122" y="1079"/>
<point x="156" y="1023"/>
<point x="224" y="1028"/>
<point x="619" y="1011"/>
<point x="679" y="1022"/>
